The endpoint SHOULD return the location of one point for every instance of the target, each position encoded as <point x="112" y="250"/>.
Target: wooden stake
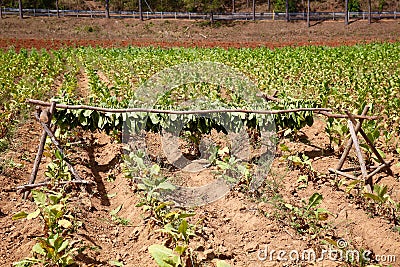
<point x="371" y="145"/>
<point x="343" y="174"/>
<point x="352" y="169"/>
<point x="376" y="171"/>
<point x="28" y="187"/>
<point x="358" y="150"/>
<point x="368" y="181"/>
<point x="40" y="149"/>
<point x="350" y="141"/>
<point x="59" y="148"/>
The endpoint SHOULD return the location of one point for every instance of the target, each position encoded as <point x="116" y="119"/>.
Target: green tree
<point x="354" y="6"/>
<point x="206" y="6"/>
<point x="280" y="5"/>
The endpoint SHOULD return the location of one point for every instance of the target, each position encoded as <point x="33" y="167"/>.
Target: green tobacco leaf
<point x="19" y="215"/>
<point x="116" y="210"/>
<point x="180" y="249"/>
<point x="166" y="186"/>
<point x="63" y="246"/>
<point x="56" y="209"/>
<point x="58" y="154"/>
<point x="25" y="262"/>
<point x="33" y="215"/>
<point x="329" y="241"/>
<point x="55" y="198"/>
<point x="37" y="248"/>
<point x="185" y="215"/>
<point x="314" y="200"/>
<point x="183" y="227"/>
<point x="116" y="263"/>
<point x="164" y="257"/>
<point x="222" y="264"/>
<point x="155" y="169"/>
<point x="373" y="197"/>
<point x="64" y="223"/>
<point x="39" y="197"/>
<point x="87" y="113"/>
<point x="352" y="185"/>
<point x="289" y="206"/>
<point x="69" y="260"/>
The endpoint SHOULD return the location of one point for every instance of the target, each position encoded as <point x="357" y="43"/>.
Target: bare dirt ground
<point x="236" y="227"/>
<point x="55" y="33"/>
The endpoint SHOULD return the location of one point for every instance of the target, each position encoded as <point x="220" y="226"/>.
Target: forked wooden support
<point x="373" y="148"/>
<point x="360" y="157"/>
<point x="355" y="128"/>
<point x="47" y="132"/>
<point x="39" y="153"/>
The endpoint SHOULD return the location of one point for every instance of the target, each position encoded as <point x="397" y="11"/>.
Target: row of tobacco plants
<point x="339" y="78"/>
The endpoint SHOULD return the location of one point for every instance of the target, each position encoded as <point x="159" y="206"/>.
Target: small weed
<point x="377" y="203"/>
<point x="302" y="163"/>
<point x="115" y="218"/>
<point x="306" y="219"/>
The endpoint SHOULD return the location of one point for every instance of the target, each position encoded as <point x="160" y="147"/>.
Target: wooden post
<point x="21" y="15"/>
<point x="369" y="12"/>
<point x="287" y="10"/>
<point x="107" y="9"/>
<point x="346" y="12"/>
<point x="308" y="13"/>
<point x="233" y="6"/>
<point x="39" y="153"/>
<point x="140" y="10"/>
<point x="254" y="10"/>
<point x="58" y="11"/>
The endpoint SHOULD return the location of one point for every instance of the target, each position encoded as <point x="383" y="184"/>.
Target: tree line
<point x="204" y="6"/>
<point x="198" y="5"/>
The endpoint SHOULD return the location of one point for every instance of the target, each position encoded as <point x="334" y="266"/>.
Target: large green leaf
<point x="65" y="223"/>
<point x="314" y="200"/>
<point x="39" y="197"/>
<point x="33" y="215"/>
<point x="164" y="257"/>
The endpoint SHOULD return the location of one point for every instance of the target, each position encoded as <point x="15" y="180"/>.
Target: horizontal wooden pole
<point x="26" y="187"/>
<point x="323" y="111"/>
<point x="343" y="174"/>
